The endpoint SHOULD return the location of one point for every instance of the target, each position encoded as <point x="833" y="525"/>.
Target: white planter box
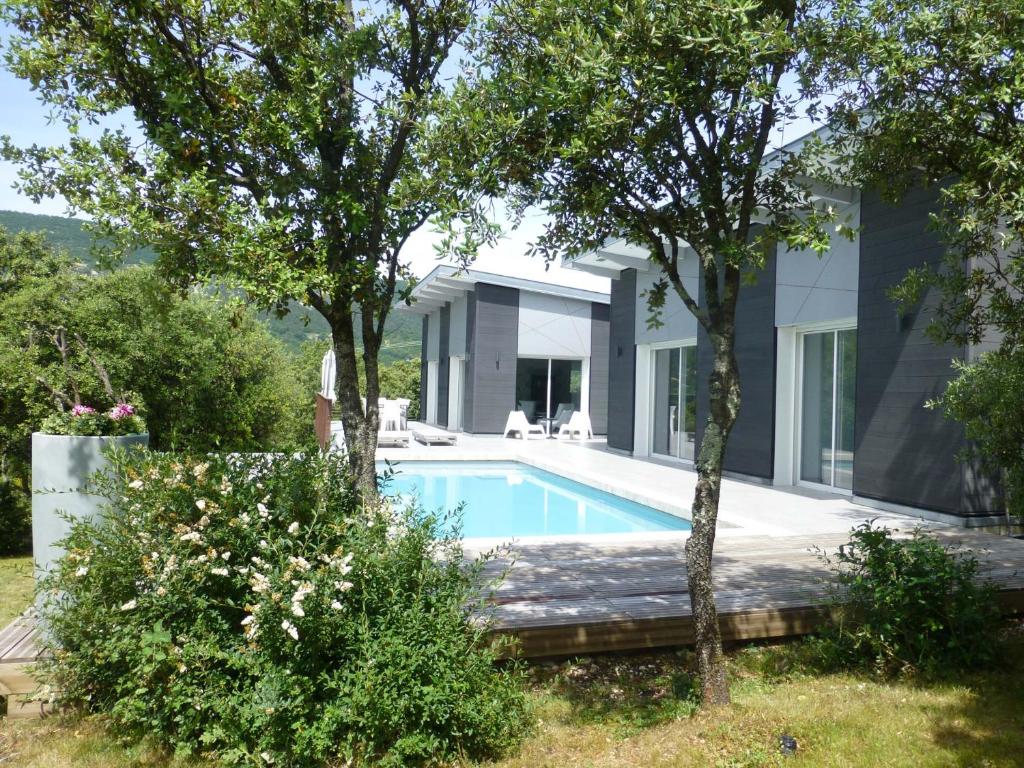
<point x="61" y="468"/>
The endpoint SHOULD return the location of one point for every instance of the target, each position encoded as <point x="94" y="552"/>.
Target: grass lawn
<point x="635" y="711"/>
<point x="15" y="587"/>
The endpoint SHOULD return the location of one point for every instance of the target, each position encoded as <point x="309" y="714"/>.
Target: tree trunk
<point x="360" y="425"/>
<point x="724" y="404"/>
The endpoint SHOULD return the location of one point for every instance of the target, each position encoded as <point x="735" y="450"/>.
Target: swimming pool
<point x="507" y="499"/>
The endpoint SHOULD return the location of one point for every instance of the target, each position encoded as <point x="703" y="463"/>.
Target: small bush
<point x="908" y="605"/>
<point x="252" y="611"/>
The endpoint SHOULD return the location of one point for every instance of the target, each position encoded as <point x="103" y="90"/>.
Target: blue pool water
<point x="510" y="499"/>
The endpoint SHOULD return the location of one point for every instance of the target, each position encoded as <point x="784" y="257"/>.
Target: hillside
<point x="401" y="334"/>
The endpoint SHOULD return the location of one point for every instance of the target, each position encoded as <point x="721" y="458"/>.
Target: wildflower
<point x="300" y="563"/>
<point x="82" y="570"/>
<point x="262" y="509"/>
<point x="267" y="757"/>
<point x="160" y="591"/>
<point x="288" y="627"/>
<point x="225" y="556"/>
<point x="191" y="536"/>
<point x="82" y="410"/>
<point x="263" y="544"/>
<point x="336" y="605"/>
<point x="297" y="610"/>
<point x="128" y="606"/>
<point x="135" y="485"/>
<point x="201" y="504"/>
<point x="199" y="470"/>
<point x="219" y="571"/>
<point x="343" y="586"/>
<point x="294" y="527"/>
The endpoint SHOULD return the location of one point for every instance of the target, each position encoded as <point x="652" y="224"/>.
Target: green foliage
<point x="987" y="397"/>
<point x="290" y="150"/>
<point x="401" y="379"/>
<point x="15" y="517"/>
<point x="944" y="88"/>
<point x="207" y="373"/>
<point x="908" y="605"/>
<point x="401" y="331"/>
<point x="251" y="610"/>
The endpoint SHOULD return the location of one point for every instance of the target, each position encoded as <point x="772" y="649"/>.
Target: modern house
<point x="492" y="344"/>
<point x="834" y="379"/>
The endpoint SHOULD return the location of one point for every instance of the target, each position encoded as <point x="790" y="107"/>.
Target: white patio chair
<point x="518" y="423"/>
<point x="579" y="425"/>
<point x="390" y="416"/>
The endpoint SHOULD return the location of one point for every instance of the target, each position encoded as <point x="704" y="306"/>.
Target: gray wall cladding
<point x="467" y="384"/>
<point x="423" y="368"/>
<point x="443" y="364"/>
<point x="751" y="446"/>
<point x="599" y="368"/>
<point x="904" y="452"/>
<point x="494" y="348"/>
<point x="621" y="361"/>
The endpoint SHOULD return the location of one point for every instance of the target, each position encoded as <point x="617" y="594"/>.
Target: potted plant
<point x="69" y="448"/>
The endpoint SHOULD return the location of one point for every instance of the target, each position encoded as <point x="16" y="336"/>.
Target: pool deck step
<point x="20" y="649"/>
<point x="567" y="599"/>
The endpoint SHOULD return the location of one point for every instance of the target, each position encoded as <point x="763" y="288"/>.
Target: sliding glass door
<point x="674" y="412"/>
<point x="546" y="386"/>
<point x="826" y="429"/>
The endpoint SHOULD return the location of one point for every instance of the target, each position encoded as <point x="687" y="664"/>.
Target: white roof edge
<point x="473" y="276"/>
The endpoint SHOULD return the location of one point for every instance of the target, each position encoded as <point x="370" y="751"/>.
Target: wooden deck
<point x="567" y="599"/>
<point x="19" y="651"/>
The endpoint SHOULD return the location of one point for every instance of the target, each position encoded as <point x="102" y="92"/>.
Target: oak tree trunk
<point x="360" y="425"/>
<point x="724" y="404"/>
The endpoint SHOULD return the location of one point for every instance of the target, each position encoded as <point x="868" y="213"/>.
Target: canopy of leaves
<point x="933" y="92"/>
<point x="650" y="120"/>
<point x="284" y="144"/>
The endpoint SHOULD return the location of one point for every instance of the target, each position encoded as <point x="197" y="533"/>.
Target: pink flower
<point x="82" y="410"/>
<point x="121" y="411"/>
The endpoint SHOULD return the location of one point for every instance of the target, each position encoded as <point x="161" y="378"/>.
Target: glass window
<point x="826" y="429"/>
<point x="548" y="388"/>
<point x="674" y="414"/>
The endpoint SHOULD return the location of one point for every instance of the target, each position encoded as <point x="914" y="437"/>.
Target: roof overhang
<point x="446" y="284"/>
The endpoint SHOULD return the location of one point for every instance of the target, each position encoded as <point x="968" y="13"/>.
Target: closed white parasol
<point x="328" y="375"/>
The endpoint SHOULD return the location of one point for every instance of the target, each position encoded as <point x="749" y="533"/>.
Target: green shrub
<point x="908" y="604"/>
<point x="15" y="519"/>
<point x="252" y="610"/>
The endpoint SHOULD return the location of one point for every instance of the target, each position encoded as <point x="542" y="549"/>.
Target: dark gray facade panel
<point x="905" y="453"/>
<point x="443" y="363"/>
<point x="423" y="368"/>
<point x="495" y="347"/>
<point x="467" y="384"/>
<point x="599" y="315"/>
<point x="751" y="446"/>
<point x="621" y="361"/>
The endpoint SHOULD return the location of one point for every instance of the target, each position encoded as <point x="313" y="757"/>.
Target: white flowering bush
<point x="252" y="611"/>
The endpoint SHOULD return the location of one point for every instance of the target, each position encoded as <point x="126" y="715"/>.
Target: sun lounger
<point x="393" y="439"/>
<point x="429" y="436"/>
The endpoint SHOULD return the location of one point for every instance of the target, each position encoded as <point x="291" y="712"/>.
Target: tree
<point x="932" y="93"/>
<point x="208" y="373"/>
<point x="292" y="147"/>
<point x="651" y="120"/>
